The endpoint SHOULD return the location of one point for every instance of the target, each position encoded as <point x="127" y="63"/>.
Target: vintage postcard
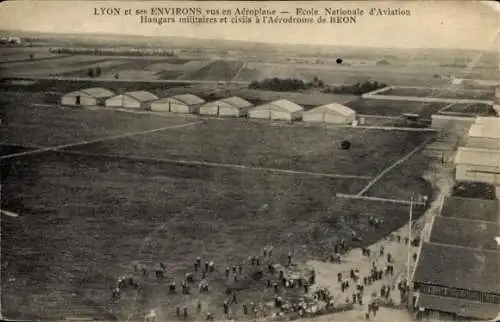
<point x="250" y="160"/>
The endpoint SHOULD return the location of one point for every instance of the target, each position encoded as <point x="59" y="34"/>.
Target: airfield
<point x="109" y="189"/>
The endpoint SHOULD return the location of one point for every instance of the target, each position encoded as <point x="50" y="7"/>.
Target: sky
<point x="432" y="24"/>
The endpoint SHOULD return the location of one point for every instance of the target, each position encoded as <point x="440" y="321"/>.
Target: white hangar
<point x="277" y="110"/>
<point x="87" y="97"/>
<point x="484" y="135"/>
<point x="330" y="113"/>
<point x="133" y="100"/>
<point x="232" y="106"/>
<point x="478" y="165"/>
<point x="183" y="103"/>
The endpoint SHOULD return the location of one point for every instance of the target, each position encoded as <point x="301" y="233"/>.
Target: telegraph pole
<point x="408" y="259"/>
<point x="421" y="200"/>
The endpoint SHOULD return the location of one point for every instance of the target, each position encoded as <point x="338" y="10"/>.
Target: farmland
<point x="18" y="54"/>
<point x="246" y="67"/>
<point x="65" y="251"/>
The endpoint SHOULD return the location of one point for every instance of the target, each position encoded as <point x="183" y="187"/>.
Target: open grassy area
<point x="46" y="126"/>
<point x="393" y="108"/>
<point x="85" y="221"/>
<point x="258" y="144"/>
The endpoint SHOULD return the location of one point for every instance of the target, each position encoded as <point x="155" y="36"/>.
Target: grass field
<point x="393" y="108"/>
<point x="86" y="219"/>
<point x="258" y="144"/>
<point x="63" y="255"/>
<point x="441" y="93"/>
<point x="45" y="126"/>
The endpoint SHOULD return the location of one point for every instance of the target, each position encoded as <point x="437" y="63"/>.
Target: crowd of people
<point x="275" y="277"/>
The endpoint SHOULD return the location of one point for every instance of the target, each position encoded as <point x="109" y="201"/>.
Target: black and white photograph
<point x="249" y="161"/>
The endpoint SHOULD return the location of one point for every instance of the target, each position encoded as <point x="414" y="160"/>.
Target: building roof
<point x="494" y="121"/>
<point x="142" y="96"/>
<point x="458" y="306"/>
<point x="488" y="130"/>
<point x="219" y="103"/>
<point x="237" y="102"/>
<point x="189" y="99"/>
<point x="333" y="107"/>
<point x="468" y="208"/>
<point x="98" y="92"/>
<point x="479" y="157"/>
<point x="458" y="267"/>
<point x="283" y="105"/>
<point x="465" y="232"/>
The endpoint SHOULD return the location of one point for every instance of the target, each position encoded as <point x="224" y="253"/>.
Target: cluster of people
<point x="258" y="267"/>
<point x="277" y="279"/>
<point x="122" y="284"/>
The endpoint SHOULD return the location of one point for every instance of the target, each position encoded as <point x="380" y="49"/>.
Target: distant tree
<point x="90" y="72"/>
<point x="32" y="56"/>
<point x="98" y="71"/>
<point x="339" y="61"/>
<point x="321" y="83"/>
<point x="382" y="62"/>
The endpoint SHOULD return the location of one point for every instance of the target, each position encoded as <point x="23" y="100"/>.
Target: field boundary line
<point x="5" y="63"/>
<point x="392" y="166"/>
<point x="218" y="164"/>
<point x="108" y="138"/>
<point x="396" y="201"/>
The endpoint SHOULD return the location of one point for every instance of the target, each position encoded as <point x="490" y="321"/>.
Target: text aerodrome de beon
<point x="195" y="15"/>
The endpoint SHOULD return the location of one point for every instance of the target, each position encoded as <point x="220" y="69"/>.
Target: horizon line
<point x="237" y="40"/>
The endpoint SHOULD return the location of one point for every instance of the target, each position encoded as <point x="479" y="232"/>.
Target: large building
<point x="231" y="106"/>
<point x="457" y="271"/>
<point x="182" y="103"/>
<point x="478" y="165"/>
<point x="277" y="110"/>
<point x="132" y="100"/>
<point x="465" y="233"/>
<point x="95" y="96"/>
<point x="330" y="113"/>
<point x="484" y="135"/>
<point x="458" y="281"/>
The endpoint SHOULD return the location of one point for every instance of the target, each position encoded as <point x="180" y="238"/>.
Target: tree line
<point x="355" y="89"/>
<point x="113" y="52"/>
<point x="293" y="84"/>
